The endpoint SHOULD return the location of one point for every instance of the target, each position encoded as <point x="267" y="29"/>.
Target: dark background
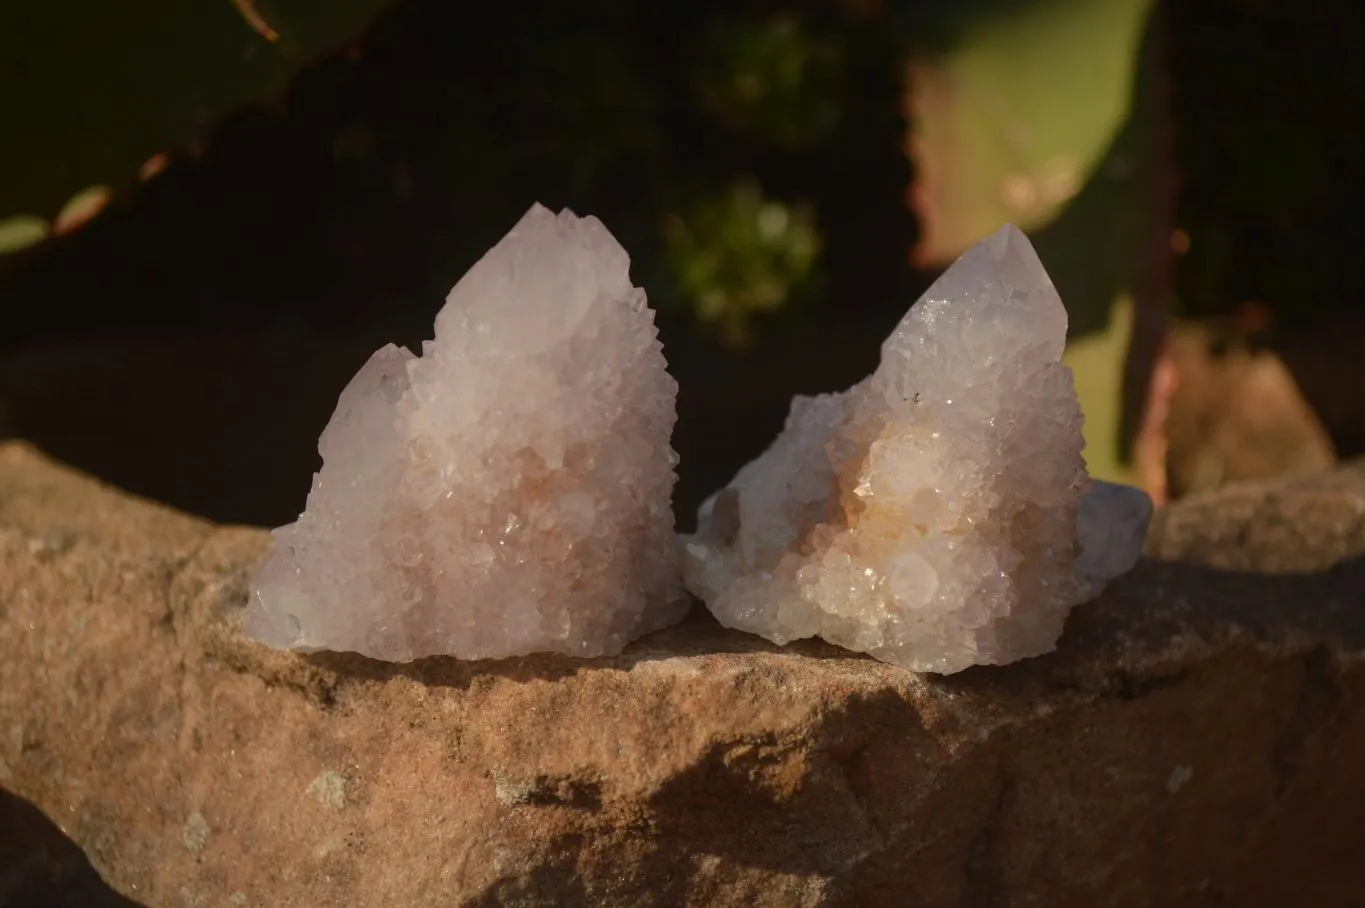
<point x="189" y="342"/>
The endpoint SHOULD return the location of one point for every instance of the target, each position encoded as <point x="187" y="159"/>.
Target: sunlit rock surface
<point x="1195" y="741"/>
<point x="507" y="492"/>
<point x="938" y="514"/>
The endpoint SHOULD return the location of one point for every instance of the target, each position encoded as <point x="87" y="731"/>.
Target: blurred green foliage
<point x="699" y="128"/>
<point x="22" y="231"/>
<point x="1049" y="115"/>
<point x="1096" y="363"/>
<point x="737" y="253"/>
<point x="1022" y="111"/>
<point x="92" y="90"/>
<point x="1013" y="119"/>
<point x="776" y="83"/>
<point x="773" y="80"/>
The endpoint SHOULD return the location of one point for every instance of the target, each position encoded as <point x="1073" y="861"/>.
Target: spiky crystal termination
<point x="506" y="492"/>
<point x="938" y="514"/>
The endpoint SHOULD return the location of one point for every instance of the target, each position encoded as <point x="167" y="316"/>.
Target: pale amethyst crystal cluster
<point x="937" y="514"/>
<point x="508" y="491"/>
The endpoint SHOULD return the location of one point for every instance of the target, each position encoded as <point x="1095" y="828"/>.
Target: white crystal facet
<point x="936" y="515"/>
<point x="508" y="491"/>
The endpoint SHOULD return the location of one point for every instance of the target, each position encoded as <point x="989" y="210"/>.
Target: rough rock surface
<point x="1236" y="416"/>
<point x="509" y="491"/>
<point x="1195" y="739"/>
<point x="937" y="514"/>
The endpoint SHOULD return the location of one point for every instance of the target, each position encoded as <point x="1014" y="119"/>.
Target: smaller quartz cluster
<point x="938" y="514"/>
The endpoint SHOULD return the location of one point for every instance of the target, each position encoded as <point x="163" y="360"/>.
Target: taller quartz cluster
<point x="937" y="514"/>
<point x="506" y="492"/>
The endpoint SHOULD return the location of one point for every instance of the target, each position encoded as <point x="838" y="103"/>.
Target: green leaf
<point x="1053" y="118"/>
<point x="1010" y="123"/>
<point x="91" y="90"/>
<point x="21" y="231"/>
<point x="1097" y="363"/>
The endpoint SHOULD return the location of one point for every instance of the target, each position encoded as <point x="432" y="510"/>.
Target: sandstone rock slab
<point x="1195" y="739"/>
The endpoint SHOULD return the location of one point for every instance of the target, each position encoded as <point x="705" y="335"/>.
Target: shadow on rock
<point x="555" y="883"/>
<point x="41" y="868"/>
<point x="697" y="634"/>
<point x="809" y="804"/>
<point x="1144" y="632"/>
<point x="772" y="818"/>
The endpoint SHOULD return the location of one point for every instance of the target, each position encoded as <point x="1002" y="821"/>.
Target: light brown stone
<point x="1196" y="740"/>
<point x="1236" y="415"/>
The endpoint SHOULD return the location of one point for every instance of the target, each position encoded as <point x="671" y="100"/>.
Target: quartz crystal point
<point x="508" y="491"/>
<point x="938" y="514"/>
